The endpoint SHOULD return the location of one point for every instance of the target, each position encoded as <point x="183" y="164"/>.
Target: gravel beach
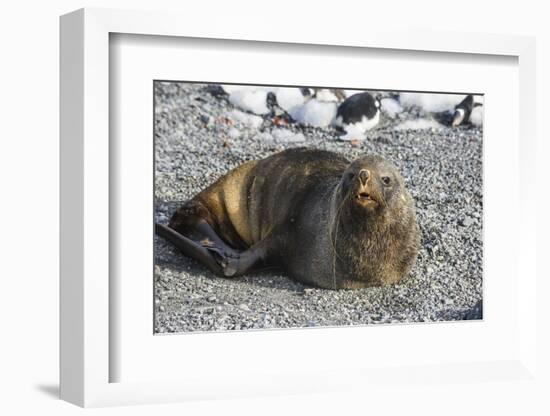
<point x="200" y="135"/>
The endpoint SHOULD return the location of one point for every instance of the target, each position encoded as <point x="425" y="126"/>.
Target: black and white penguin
<point x="463" y="111"/>
<point x="360" y="112"/>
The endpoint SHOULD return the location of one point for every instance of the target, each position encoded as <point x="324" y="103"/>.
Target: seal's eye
<point x="386" y="180"/>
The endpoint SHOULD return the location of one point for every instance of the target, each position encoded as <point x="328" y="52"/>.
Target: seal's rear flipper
<point x="189" y="248"/>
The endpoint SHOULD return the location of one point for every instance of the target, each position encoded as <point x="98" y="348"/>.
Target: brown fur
<point x="310" y="213"/>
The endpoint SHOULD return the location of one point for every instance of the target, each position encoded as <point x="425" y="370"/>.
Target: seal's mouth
<point x="366" y="199"/>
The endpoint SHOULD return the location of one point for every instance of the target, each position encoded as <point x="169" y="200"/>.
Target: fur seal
<point x="323" y="220"/>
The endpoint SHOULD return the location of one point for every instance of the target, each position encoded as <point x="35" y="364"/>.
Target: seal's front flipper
<point x="190" y="248"/>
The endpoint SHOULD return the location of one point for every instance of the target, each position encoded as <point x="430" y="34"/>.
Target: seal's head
<point x="372" y="184"/>
<point x="374" y="233"/>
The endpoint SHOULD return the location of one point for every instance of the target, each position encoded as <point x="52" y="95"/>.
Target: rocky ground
<point x="199" y="136"/>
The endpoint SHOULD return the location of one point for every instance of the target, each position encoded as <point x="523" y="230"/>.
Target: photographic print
<point x="293" y="207"/>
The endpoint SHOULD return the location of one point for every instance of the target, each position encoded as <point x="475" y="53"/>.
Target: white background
<point x="142" y="357"/>
<point x="29" y="172"/>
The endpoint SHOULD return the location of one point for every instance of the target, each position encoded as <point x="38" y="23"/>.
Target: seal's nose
<point x="364" y="176"/>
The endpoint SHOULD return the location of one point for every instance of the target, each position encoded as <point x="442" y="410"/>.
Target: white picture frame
<point x="86" y="356"/>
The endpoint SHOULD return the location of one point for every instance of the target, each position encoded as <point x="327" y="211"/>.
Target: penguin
<point x="463" y="111"/>
<point x="307" y="93"/>
<point x="360" y="112"/>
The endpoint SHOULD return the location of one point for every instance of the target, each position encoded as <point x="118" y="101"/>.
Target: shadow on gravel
<point x="268" y="278"/>
<point x="273" y="278"/>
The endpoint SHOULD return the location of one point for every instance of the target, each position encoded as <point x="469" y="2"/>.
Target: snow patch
<point x="315" y="113"/>
<point x="249" y="99"/>
<point x="430" y="102"/>
<point x="476" y="117"/>
<point x="391" y="107"/>
<point x="254" y="99"/>
<point x="288" y="98"/>
<point x="245" y="119"/>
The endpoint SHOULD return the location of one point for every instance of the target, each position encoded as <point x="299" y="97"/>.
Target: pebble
<point x="466" y="222"/>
